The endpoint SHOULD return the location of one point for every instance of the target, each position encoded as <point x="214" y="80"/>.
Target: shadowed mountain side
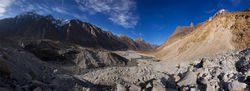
<point x="35" y="26"/>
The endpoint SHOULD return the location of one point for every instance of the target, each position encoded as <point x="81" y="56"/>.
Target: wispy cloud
<point x="4" y="4"/>
<point x="60" y="10"/>
<point x="120" y="12"/>
<point x="25" y="5"/>
<point x="44" y="8"/>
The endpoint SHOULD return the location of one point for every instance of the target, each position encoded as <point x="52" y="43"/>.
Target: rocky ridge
<point x="34" y="26"/>
<point x="227" y="31"/>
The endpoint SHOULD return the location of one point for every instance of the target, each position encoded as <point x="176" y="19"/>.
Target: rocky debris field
<point x="224" y="72"/>
<point x="46" y="65"/>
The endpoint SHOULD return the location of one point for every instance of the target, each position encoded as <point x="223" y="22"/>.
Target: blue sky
<point x="153" y="20"/>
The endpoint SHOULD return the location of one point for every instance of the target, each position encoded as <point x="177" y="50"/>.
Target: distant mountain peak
<point x="32" y="12"/>
<point x="29" y="14"/>
<point x="139" y="39"/>
<point x="220" y="12"/>
<point x="121" y="35"/>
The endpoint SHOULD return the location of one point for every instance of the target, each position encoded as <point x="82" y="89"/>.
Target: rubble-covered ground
<point x="46" y="65"/>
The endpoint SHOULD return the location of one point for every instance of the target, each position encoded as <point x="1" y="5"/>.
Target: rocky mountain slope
<point x="35" y="26"/>
<point x="137" y="44"/>
<point x="226" y="31"/>
<point x="179" y="33"/>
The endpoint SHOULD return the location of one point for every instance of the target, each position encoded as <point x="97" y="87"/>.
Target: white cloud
<point x="120" y="12"/>
<point x="4" y="4"/>
<point x="25" y="5"/>
<point x="60" y="10"/>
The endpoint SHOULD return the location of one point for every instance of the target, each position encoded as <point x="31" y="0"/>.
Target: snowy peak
<point x="32" y="15"/>
<point x="220" y="12"/>
<point x="58" y="22"/>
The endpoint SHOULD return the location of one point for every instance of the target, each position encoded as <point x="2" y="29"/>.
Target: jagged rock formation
<point x="225" y="32"/>
<point x="32" y="25"/>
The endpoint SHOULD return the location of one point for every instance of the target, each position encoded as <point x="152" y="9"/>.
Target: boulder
<point x="120" y="87"/>
<point x="38" y="89"/>
<point x="176" y="78"/>
<point x="189" y="79"/>
<point x="236" y="86"/>
<point x="4" y="89"/>
<point x="243" y="65"/>
<point x="4" y="67"/>
<point x="158" y="88"/>
<point x="134" y="88"/>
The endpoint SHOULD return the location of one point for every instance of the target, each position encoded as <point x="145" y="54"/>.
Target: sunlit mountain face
<point x="153" y="20"/>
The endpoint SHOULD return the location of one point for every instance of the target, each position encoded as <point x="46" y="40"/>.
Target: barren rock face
<point x="225" y="32"/>
<point x="179" y="33"/>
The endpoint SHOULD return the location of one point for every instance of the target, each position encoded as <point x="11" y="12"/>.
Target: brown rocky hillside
<point x="179" y="33"/>
<point x="226" y="31"/>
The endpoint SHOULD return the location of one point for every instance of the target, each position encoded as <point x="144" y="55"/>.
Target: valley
<point x="41" y="53"/>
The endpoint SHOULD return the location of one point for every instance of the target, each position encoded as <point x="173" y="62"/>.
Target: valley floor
<point x="45" y="65"/>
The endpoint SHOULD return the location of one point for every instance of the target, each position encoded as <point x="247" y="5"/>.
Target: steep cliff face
<point x="224" y="32"/>
<point x="35" y="26"/>
<point x="91" y="36"/>
<point x="179" y="33"/>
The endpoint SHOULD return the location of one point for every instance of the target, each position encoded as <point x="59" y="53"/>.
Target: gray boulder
<point x="236" y="86"/>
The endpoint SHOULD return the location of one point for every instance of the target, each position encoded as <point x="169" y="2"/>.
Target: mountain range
<point x="35" y="26"/>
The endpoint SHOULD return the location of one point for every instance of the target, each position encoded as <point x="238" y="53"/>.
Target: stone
<point x="37" y="83"/>
<point x="134" y="88"/>
<point x="171" y="89"/>
<point x="243" y="65"/>
<point x="38" y="89"/>
<point x="189" y="79"/>
<point x="88" y="89"/>
<point x="193" y="89"/>
<point x="120" y="87"/>
<point x="236" y="86"/>
<point x="4" y="68"/>
<point x="4" y="89"/>
<point x="184" y="89"/>
<point x="158" y="88"/>
<point x="149" y="85"/>
<point x="176" y="78"/>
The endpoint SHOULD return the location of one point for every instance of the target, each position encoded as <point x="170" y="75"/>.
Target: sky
<point x="152" y="20"/>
